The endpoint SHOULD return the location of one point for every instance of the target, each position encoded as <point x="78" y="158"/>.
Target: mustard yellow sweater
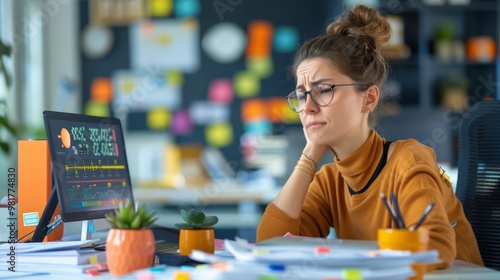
<point x="411" y="173"/>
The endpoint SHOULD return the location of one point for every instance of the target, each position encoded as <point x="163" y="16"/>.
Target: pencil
<point x="389" y="208"/>
<point x="426" y="212"/>
<point x="397" y="211"/>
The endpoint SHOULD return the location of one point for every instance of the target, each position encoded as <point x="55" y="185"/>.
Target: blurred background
<point x="199" y="85"/>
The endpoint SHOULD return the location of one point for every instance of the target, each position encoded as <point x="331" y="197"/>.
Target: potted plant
<point x="5" y="50"/>
<point x="197" y="233"/>
<point x="130" y="244"/>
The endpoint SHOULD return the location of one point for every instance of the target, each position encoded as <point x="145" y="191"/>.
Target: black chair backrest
<point x="478" y="184"/>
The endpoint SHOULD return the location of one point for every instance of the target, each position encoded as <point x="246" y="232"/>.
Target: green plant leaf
<point x="6" y="124"/>
<point x="184" y="225"/>
<point x="136" y="222"/>
<point x="5" y="147"/>
<point x="196" y="216"/>
<point x="209" y="221"/>
<point x="185" y="215"/>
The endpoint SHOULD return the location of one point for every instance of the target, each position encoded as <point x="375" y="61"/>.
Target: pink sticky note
<point x="182" y="123"/>
<point x="221" y="91"/>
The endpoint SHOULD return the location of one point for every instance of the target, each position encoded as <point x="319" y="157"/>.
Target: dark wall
<point x="310" y="18"/>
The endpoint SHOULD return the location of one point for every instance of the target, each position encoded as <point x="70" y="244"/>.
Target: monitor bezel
<point x="73" y="117"/>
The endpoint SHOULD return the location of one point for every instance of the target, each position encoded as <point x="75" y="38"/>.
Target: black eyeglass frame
<point x="332" y="86"/>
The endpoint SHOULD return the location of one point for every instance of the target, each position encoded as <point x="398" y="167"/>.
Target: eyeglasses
<point x="321" y="95"/>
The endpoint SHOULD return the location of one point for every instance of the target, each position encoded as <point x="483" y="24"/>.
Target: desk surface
<point x="458" y="270"/>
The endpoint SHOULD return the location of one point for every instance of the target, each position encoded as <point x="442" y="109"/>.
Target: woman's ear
<point x="371" y="98"/>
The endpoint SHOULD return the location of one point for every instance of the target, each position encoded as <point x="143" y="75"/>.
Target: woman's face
<point x="345" y="116"/>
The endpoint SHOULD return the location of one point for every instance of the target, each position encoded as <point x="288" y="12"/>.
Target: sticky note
<point x="277" y="107"/>
<point x="158" y="118"/>
<point x="181" y="275"/>
<point x="351" y="274"/>
<point x="286" y="39"/>
<point x="219" y="134"/>
<point x="269" y="277"/>
<point x="93" y="259"/>
<point x="205" y="112"/>
<point x="260" y="34"/>
<point x="262" y="66"/>
<point x="260" y="251"/>
<point x="160" y="8"/>
<point x="98" y="109"/>
<point x="187" y="8"/>
<point x="182" y="123"/>
<point x="174" y="78"/>
<point x="246" y="84"/>
<point x="221" y="91"/>
<point x="260" y="127"/>
<point x="322" y="250"/>
<point x="145" y="275"/>
<point x="253" y="109"/>
<point x="101" y="90"/>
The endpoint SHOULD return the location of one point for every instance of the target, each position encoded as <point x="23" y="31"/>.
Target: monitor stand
<point x="90" y="226"/>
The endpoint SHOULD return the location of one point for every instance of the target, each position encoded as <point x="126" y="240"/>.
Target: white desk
<point x="463" y="270"/>
<point x="459" y="270"/>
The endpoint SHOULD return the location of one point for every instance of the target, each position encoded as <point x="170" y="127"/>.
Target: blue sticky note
<point x="286" y="39"/>
<point x="261" y="127"/>
<point x="187" y="8"/>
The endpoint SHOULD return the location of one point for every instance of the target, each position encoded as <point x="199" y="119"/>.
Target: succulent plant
<point x="126" y="216"/>
<point x="196" y="219"/>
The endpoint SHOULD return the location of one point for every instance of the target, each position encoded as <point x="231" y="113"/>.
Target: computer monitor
<point x="89" y="165"/>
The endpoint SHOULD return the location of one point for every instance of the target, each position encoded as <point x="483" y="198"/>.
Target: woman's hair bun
<point x="362" y="21"/>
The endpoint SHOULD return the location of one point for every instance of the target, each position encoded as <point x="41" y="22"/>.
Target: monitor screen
<point x="89" y="164"/>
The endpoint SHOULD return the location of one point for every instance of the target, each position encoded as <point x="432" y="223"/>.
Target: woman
<point x="339" y="76"/>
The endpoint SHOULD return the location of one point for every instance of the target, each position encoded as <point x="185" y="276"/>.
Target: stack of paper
<point x="63" y="257"/>
<point x="309" y="261"/>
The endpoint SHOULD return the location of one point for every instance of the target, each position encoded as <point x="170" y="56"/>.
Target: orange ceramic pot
<point x="196" y="239"/>
<point x="128" y="250"/>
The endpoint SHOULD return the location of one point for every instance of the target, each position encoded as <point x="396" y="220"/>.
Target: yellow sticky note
<point x="93" y="259"/>
<point x="159" y="118"/>
<point x="174" y="78"/>
<point x="262" y="67"/>
<point x="160" y="8"/>
<point x="219" y="134"/>
<point x="99" y="109"/>
<point x="351" y="274"/>
<point x="246" y="84"/>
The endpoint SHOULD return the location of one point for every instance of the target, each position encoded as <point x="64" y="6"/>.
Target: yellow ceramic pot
<point x="196" y="239"/>
<point x="128" y="250"/>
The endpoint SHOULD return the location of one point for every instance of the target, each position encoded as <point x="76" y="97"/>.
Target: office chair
<point x="478" y="184"/>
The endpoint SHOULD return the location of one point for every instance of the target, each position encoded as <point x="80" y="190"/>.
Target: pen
<point x="397" y="211"/>
<point x="426" y="212"/>
<point x="389" y="208"/>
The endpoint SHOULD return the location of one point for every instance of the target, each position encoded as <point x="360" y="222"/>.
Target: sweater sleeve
<point x="314" y="221"/>
<point x="420" y="186"/>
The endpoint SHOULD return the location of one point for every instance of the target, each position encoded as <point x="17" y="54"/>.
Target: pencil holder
<point x="404" y="239"/>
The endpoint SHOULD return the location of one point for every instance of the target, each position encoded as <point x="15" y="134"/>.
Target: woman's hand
<point x="312" y="150"/>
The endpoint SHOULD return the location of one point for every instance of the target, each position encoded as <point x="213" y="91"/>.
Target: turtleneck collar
<point x="358" y="167"/>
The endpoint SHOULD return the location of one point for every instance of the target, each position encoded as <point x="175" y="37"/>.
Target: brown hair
<point x="352" y="43"/>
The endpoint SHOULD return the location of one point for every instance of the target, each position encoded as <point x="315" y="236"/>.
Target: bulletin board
<point x="196" y="75"/>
